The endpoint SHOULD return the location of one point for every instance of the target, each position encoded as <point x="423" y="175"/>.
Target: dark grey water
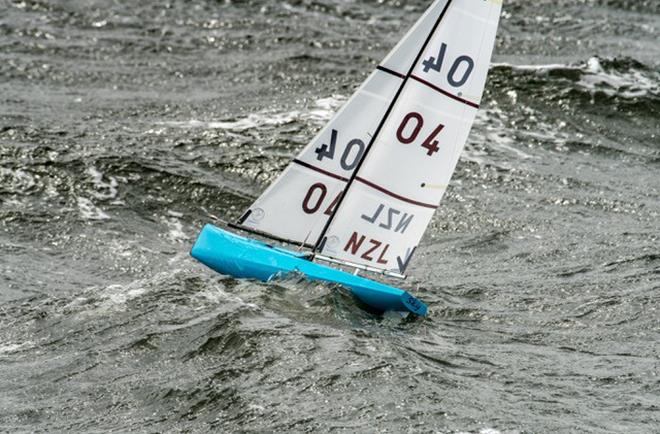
<point x="125" y="126"/>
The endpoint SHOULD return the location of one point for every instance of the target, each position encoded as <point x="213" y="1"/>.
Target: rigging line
<point x="319" y="242"/>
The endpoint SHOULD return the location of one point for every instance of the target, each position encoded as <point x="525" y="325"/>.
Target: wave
<point x="623" y="81"/>
<point x="322" y="110"/>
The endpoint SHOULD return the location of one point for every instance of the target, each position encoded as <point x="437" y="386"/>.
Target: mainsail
<point x="365" y="189"/>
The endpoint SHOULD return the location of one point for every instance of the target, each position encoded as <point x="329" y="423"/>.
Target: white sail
<point x="297" y="206"/>
<point x="403" y="177"/>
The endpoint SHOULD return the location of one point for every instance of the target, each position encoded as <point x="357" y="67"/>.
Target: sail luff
<point x="321" y="238"/>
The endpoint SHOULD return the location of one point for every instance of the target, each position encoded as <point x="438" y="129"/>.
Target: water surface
<point x="126" y="126"/>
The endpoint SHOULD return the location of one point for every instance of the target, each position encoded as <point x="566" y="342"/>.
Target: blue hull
<point x="241" y="257"/>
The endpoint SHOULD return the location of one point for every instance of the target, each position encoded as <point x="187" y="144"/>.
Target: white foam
<point x="110" y="298"/>
<point x="89" y="211"/>
<point x="322" y="111"/>
<point x="116" y="296"/>
<point x="119" y="294"/>
<point x="491" y="132"/>
<point x="536" y="68"/>
<point x="16" y="181"/>
<point x="629" y="84"/>
<point x="176" y="233"/>
<point x="119" y="248"/>
<point x="254" y="120"/>
<point x="102" y="190"/>
<point x="325" y="109"/>
<point x="12" y="348"/>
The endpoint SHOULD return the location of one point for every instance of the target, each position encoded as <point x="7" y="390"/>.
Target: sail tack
<point x="403" y="131"/>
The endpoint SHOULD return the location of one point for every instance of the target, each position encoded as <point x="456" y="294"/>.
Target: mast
<point x="351" y="181"/>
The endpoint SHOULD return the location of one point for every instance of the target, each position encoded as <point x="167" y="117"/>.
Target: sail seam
<point x="319" y="170"/>
<point x="394" y="195"/>
<point x="444" y="92"/>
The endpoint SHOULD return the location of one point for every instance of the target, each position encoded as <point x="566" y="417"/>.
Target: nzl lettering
<point x="370" y="250"/>
<point x="391" y="220"/>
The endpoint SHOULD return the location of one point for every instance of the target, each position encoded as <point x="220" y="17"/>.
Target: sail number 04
<point x="315" y="197"/>
<point x="435" y="63"/>
<point x="351" y="156"/>
<point x="409" y="130"/>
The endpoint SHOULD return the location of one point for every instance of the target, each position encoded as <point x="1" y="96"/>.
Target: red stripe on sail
<point x="444" y="92"/>
<point x="319" y="170"/>
<point x="394" y="195"/>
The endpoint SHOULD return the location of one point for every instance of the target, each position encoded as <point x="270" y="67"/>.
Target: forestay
<point x="297" y="206"/>
<point x="365" y="189"/>
<point x="387" y="208"/>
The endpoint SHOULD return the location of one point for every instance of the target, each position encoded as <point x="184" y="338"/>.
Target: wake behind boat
<point x="364" y="190"/>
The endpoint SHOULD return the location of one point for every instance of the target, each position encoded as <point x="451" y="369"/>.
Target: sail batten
<point x="366" y="187"/>
<point x="390" y="71"/>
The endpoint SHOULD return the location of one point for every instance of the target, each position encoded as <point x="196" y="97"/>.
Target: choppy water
<point x="125" y="126"/>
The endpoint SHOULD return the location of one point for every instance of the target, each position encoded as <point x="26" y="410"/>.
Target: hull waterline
<point x="241" y="257"/>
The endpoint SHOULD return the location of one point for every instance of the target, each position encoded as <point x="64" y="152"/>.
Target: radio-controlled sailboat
<point x="362" y="193"/>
